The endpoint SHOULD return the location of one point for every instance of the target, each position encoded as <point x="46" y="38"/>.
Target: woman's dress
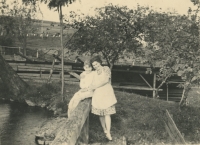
<point x="103" y="100"/>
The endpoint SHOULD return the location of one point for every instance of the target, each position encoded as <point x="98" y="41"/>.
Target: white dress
<point x="85" y="82"/>
<point x="103" y="99"/>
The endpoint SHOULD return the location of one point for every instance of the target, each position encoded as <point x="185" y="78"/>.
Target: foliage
<point x="6" y="26"/>
<point x="56" y="4"/>
<point x="195" y="2"/>
<point x="173" y="40"/>
<point x="17" y="22"/>
<point x="113" y="32"/>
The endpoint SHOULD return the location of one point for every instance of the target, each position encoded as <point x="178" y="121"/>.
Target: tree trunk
<point x="62" y="49"/>
<point x="24" y="45"/>
<point x="16" y="86"/>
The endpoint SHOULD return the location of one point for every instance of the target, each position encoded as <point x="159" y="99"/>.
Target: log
<point x="84" y="136"/>
<point x="71" y="129"/>
<point x="172" y="130"/>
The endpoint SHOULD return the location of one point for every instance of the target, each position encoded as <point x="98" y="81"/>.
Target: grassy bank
<point x="138" y="118"/>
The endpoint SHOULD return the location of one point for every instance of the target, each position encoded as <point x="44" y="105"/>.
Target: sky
<point x="87" y="6"/>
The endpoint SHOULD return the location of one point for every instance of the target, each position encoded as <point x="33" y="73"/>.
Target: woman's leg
<point x="103" y="124"/>
<point x="108" y="126"/>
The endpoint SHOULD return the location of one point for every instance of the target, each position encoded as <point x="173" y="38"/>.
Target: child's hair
<point x="87" y="62"/>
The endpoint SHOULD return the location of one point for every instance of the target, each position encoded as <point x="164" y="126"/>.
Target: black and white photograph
<point x="99" y="72"/>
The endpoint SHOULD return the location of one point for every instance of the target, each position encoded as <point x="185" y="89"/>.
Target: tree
<point x="15" y="85"/>
<point x="173" y="40"/>
<point x="58" y="4"/>
<point x="6" y="31"/>
<point x="17" y="21"/>
<point x="113" y="32"/>
<point x="6" y="25"/>
<point x="24" y="17"/>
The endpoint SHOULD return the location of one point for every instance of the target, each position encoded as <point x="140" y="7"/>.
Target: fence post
<point x="37" y="54"/>
<point x="1" y="49"/>
<point x="167" y="92"/>
<point x="51" y="71"/>
<point x="40" y="72"/>
<point x="154" y="85"/>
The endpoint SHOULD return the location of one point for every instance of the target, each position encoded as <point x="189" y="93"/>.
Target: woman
<point x="103" y="100"/>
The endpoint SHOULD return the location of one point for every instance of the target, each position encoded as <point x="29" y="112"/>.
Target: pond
<point x="19" y="123"/>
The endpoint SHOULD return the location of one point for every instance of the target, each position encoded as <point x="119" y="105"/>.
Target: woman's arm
<point x="104" y="81"/>
<point x="101" y="83"/>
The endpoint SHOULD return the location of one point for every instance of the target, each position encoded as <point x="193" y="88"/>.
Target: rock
<point x="49" y="130"/>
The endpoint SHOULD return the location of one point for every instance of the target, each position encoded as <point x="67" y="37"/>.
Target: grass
<point x="138" y="118"/>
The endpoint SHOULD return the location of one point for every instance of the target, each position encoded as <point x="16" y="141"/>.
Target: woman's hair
<point x="96" y="58"/>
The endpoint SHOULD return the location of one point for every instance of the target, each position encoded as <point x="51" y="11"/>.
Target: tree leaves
<point x="112" y="31"/>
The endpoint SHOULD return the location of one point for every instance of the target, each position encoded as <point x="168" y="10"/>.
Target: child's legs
<point x="103" y="124"/>
<point x="71" y="102"/>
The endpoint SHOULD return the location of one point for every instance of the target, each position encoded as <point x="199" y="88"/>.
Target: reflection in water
<point x="19" y="123"/>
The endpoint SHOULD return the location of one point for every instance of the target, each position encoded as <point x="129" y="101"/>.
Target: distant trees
<point x="6" y="26"/>
<point x="18" y="21"/>
<point x="6" y="31"/>
<point x="58" y="4"/>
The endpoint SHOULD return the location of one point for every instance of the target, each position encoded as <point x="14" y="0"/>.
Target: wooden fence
<point x="139" y="79"/>
<point x="41" y="72"/>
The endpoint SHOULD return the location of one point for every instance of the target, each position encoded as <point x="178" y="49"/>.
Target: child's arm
<point x="82" y="76"/>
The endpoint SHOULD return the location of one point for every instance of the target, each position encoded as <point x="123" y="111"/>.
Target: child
<point x="86" y="78"/>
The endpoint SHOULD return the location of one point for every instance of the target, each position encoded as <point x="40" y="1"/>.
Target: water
<point x="19" y="123"/>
